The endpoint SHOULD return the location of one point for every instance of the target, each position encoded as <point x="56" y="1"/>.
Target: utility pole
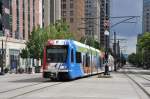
<point x="2" y="65"/>
<point x="114" y="47"/>
<point x="118" y="53"/>
<point x="106" y="51"/>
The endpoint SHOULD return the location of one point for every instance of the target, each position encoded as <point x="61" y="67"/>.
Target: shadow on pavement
<point x="32" y="80"/>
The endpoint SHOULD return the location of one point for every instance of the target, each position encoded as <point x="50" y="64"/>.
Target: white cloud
<point x="132" y="41"/>
<point x="128" y="44"/>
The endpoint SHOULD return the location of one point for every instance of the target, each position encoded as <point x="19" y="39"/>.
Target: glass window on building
<point x="71" y="20"/>
<point x="147" y="29"/>
<point x="17" y="3"/>
<point x="63" y="6"/>
<point x="64" y="13"/>
<point x="147" y="14"/>
<point x="14" y="58"/>
<point x="71" y="5"/>
<point x="1" y="26"/>
<point x="28" y="17"/>
<point x="71" y="13"/>
<point x="63" y="0"/>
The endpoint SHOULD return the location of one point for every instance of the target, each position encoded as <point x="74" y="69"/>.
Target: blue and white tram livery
<point x="69" y="59"/>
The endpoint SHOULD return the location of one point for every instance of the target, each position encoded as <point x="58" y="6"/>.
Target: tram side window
<point x="83" y="61"/>
<point x="78" y="57"/>
<point x="72" y="56"/>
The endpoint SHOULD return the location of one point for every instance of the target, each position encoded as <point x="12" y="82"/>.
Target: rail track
<point x="21" y="91"/>
<point x="131" y="75"/>
<point x="13" y="89"/>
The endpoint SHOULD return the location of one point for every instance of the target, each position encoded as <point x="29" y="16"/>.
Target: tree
<point x="39" y="37"/>
<point x="139" y="59"/>
<point x="25" y="54"/>
<point x="90" y="41"/>
<point x="144" y="46"/>
<point x="122" y="59"/>
<point x="34" y="44"/>
<point x="131" y="58"/>
<point x="144" y="41"/>
<point x="136" y="59"/>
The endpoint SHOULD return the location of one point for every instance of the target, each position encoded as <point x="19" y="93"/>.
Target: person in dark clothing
<point x="106" y="70"/>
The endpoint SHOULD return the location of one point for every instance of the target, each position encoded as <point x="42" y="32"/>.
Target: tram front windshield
<point x="56" y="54"/>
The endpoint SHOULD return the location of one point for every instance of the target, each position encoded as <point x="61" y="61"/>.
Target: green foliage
<point x="139" y="60"/>
<point x="90" y="41"/>
<point x="39" y="37"/>
<point x="132" y="58"/>
<point x="136" y="59"/>
<point x="24" y="53"/>
<point x="122" y="59"/>
<point x="144" y="41"/>
<point x="144" y="46"/>
<point x="34" y="44"/>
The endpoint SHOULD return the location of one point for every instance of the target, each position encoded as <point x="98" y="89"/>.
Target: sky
<point x="128" y="31"/>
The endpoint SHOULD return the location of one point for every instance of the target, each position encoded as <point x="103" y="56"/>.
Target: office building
<point x="51" y="11"/>
<point x="92" y="19"/>
<point x="146" y="16"/>
<point x="72" y="11"/>
<point x="4" y="17"/>
<point x="18" y="17"/>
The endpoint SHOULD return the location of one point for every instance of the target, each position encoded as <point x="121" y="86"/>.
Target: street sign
<point x="106" y="23"/>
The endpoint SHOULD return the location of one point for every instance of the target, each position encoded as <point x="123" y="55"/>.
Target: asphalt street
<point x="33" y="86"/>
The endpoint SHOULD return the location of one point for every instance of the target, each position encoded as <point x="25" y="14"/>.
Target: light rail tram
<point x="69" y="59"/>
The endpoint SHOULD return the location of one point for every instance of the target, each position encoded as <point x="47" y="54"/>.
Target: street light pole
<point x="2" y="66"/>
<point x="106" y="51"/>
<point x="114" y="47"/>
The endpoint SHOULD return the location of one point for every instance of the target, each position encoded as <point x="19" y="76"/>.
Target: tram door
<point x="87" y="64"/>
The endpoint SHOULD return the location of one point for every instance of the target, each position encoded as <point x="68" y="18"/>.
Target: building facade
<point x="20" y="16"/>
<point x="17" y="20"/>
<point x="11" y="49"/>
<point x="4" y="17"/>
<point x="51" y="11"/>
<point x="146" y="16"/>
<point x="26" y="14"/>
<point x="72" y="11"/>
<point x="92" y="19"/>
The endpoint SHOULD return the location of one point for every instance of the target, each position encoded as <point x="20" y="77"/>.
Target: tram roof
<point x="65" y="41"/>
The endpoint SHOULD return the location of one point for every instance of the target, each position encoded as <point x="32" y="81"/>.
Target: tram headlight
<point x="49" y="67"/>
<point x="62" y="67"/>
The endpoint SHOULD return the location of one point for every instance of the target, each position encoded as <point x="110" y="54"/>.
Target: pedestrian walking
<point x="106" y="70"/>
